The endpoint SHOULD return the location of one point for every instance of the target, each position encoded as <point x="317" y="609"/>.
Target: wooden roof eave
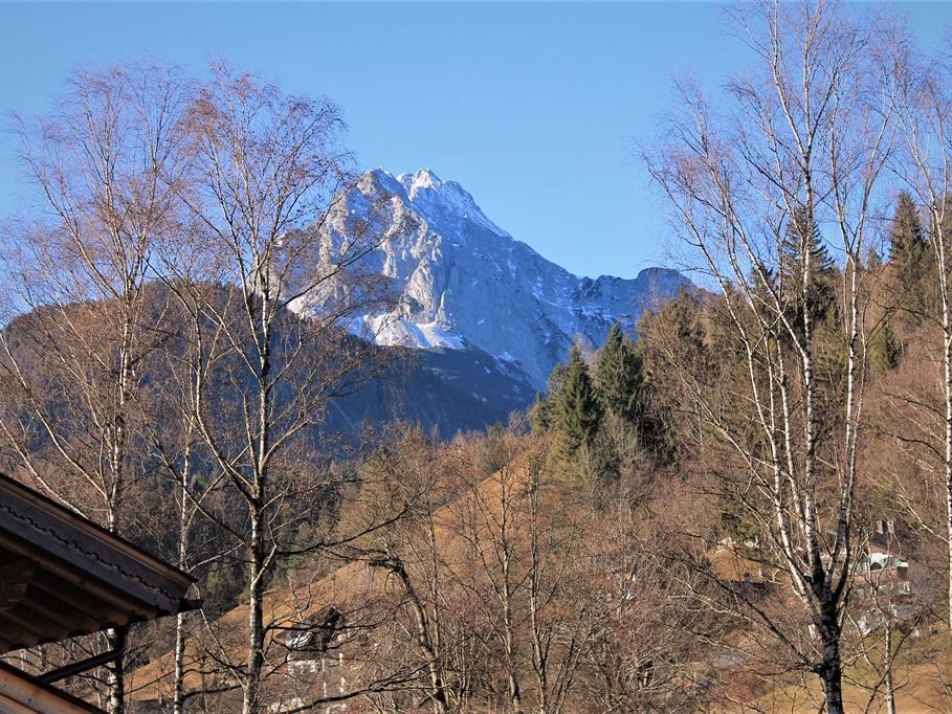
<point x="21" y="693"/>
<point x="31" y="523"/>
<point x="62" y="576"/>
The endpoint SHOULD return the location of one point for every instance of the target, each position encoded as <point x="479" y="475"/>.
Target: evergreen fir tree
<point x="802" y="240"/>
<point x="664" y="422"/>
<point x="618" y="377"/>
<point x="886" y="349"/>
<point x="907" y="240"/>
<point x="575" y="412"/>
<point x="802" y="233"/>
<point x="909" y="258"/>
<point x="539" y="414"/>
<point x="554" y="383"/>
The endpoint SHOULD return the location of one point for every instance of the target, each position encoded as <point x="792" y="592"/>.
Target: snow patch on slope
<point x="396" y="331"/>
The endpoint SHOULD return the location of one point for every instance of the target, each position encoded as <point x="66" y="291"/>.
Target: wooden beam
<point x="15" y="577"/>
<point x="21" y="693"/>
<point x="42" y="606"/>
<point x="32" y="631"/>
<point x="83" y="665"/>
<point x="64" y="594"/>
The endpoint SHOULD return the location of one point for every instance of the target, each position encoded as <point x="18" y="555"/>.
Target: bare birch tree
<point x="265" y="170"/>
<point x="173" y="438"/>
<point x="925" y="165"/>
<point x="73" y="367"/>
<point x="517" y="572"/>
<point x="756" y="193"/>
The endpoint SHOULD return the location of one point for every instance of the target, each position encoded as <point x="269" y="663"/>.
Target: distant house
<point x="313" y="636"/>
<point x="884" y="565"/>
<point x="62" y="576"/>
<point x="889" y="583"/>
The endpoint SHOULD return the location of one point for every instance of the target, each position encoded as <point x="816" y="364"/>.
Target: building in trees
<point x="62" y="576"/>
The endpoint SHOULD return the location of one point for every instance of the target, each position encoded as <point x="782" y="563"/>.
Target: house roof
<point x="61" y="575"/>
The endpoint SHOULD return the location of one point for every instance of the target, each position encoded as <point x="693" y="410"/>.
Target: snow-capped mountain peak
<point x="445" y="203"/>
<point x="420" y="181"/>
<point x="456" y="278"/>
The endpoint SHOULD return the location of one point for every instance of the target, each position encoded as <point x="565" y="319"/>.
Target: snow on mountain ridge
<point x="455" y="278"/>
<point x="443" y="202"/>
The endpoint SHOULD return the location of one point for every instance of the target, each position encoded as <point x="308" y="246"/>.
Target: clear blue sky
<point x="536" y="108"/>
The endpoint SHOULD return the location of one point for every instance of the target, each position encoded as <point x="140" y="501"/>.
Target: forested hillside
<point x="744" y="504"/>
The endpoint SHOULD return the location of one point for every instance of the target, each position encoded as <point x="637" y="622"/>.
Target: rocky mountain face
<point x="454" y="279"/>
